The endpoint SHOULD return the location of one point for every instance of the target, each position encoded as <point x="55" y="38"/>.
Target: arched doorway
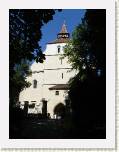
<point x="59" y="111"/>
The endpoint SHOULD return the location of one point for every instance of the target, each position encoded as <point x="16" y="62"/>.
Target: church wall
<point x="33" y="94"/>
<point x="52" y="98"/>
<point x="37" y="67"/>
<point x="59" y="76"/>
<point x="46" y="78"/>
<point x="55" y="61"/>
<point x="51" y="49"/>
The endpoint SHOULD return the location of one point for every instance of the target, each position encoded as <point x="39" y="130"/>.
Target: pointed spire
<point x="63" y="33"/>
<point x="63" y="36"/>
<point x="63" y="29"/>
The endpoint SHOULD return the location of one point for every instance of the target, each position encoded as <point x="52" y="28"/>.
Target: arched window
<point x="34" y="83"/>
<point x="58" y="48"/>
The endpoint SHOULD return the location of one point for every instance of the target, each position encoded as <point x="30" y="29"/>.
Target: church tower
<point x="52" y="78"/>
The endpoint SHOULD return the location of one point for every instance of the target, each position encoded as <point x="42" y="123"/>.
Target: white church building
<point x="49" y="79"/>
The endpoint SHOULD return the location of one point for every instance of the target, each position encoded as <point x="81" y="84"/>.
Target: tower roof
<point x="64" y="28"/>
<point x="63" y="36"/>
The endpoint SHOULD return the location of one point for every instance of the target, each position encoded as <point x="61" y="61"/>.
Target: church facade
<point x="49" y="79"/>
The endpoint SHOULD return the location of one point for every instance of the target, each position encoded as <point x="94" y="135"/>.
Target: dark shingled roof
<point x="61" y="40"/>
<point x="60" y="87"/>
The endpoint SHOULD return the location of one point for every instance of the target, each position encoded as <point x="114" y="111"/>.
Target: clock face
<point x="63" y="35"/>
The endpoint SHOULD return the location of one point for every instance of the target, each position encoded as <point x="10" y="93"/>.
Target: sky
<point x="72" y="18"/>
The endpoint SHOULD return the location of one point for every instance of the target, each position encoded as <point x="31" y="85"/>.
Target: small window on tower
<point x="56" y="92"/>
<point x="58" y="49"/>
<point x="62" y="75"/>
<point x="34" y="83"/>
<point x="61" y="61"/>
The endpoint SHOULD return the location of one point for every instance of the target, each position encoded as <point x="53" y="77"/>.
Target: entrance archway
<point x="59" y="110"/>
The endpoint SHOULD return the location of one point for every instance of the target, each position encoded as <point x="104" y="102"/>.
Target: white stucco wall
<point x="48" y="74"/>
<point x="51" y="49"/>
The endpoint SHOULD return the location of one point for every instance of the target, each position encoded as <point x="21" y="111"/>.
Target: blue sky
<point x="50" y="30"/>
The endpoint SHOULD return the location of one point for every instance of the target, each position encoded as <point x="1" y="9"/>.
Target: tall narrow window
<point x="61" y="61"/>
<point x="34" y="83"/>
<point x="58" y="48"/>
<point x="62" y="75"/>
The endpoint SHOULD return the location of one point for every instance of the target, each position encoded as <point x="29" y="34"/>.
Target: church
<point x="49" y="80"/>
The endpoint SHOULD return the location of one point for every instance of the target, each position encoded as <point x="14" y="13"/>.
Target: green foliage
<point x="96" y="21"/>
<point x="19" y="77"/>
<point x="25" y="32"/>
<point x="24" y="35"/>
<point x="86" y="51"/>
<point x="18" y="80"/>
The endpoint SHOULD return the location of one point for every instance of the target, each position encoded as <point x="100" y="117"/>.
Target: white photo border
<point x="109" y="142"/>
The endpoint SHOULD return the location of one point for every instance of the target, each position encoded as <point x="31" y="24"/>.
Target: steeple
<point x="63" y="36"/>
<point x="63" y="33"/>
<point x="63" y="29"/>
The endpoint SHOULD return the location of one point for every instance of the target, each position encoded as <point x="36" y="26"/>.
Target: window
<point x="26" y="102"/>
<point x="31" y="106"/>
<point x="58" y="48"/>
<point x="62" y="75"/>
<point x="56" y="92"/>
<point x="61" y="61"/>
<point x="34" y="83"/>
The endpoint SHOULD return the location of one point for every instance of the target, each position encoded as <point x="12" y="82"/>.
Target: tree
<point x="87" y="48"/>
<point x="18" y="80"/>
<point x="86" y="52"/>
<point x="24" y="34"/>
